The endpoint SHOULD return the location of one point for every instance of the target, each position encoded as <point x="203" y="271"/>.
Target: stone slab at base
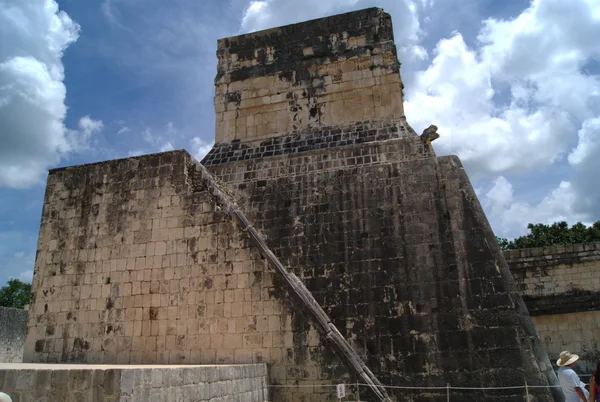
<point x="13" y="330"/>
<point x="129" y="383"/>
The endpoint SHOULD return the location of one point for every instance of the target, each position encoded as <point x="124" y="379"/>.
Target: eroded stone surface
<point x="13" y="327"/>
<point x="77" y="383"/>
<point x="317" y="73"/>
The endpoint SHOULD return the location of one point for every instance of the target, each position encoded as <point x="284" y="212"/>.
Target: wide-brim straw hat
<point x="566" y="358"/>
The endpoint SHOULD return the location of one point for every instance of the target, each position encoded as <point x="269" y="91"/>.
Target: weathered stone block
<point x="128" y="383"/>
<point x="13" y="327"/>
<point x="295" y="83"/>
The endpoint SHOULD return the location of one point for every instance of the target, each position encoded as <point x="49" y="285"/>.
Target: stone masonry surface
<point x="366" y="239"/>
<point x="316" y="73"/>
<point x="86" y="383"/>
<point x="561" y="287"/>
<point x="145" y="271"/>
<point x="224" y="200"/>
<point x="135" y="264"/>
<point x="13" y="327"/>
<point x="308" y="140"/>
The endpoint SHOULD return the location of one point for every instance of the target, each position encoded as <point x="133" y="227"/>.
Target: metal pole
<point x="357" y="392"/>
<point x="526" y="391"/>
<point x="448" y="392"/>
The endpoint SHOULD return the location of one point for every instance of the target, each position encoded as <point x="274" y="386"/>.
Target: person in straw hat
<point x="570" y="383"/>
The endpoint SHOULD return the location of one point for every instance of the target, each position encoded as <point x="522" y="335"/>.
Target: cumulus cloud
<point x="26" y="276"/>
<point x="200" y="147"/>
<point x="33" y="36"/>
<point x="519" y="101"/>
<point x="586" y="164"/>
<point x="589" y="143"/>
<point x="79" y="139"/>
<point x="166" y="147"/>
<point x="512" y="215"/>
<point x="123" y="130"/>
<point x="161" y="142"/>
<point x="457" y="93"/>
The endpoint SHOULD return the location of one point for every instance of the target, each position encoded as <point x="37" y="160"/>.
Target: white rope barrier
<point x="416" y="388"/>
<point x="441" y="390"/>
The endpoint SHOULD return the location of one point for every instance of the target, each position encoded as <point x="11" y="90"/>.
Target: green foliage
<point x="15" y="294"/>
<point x="559" y="233"/>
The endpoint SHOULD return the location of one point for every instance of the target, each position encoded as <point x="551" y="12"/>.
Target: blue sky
<point x="513" y="86"/>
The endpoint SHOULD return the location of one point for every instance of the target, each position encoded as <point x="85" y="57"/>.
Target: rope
<point x="418" y="388"/>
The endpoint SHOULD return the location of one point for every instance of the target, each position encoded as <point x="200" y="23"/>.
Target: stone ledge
<point x="310" y="140"/>
<point x="396" y="150"/>
<point x="569" y="302"/>
<point x="133" y="383"/>
<point x="555" y="255"/>
<point x="280" y="49"/>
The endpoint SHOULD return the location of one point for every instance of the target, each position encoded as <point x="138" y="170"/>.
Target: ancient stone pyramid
<point x="136" y="265"/>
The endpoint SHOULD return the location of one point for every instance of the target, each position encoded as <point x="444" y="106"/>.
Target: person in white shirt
<point x="4" y="397"/>
<point x="572" y="387"/>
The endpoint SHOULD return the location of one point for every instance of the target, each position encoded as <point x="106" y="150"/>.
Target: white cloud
<point x="26" y="276"/>
<point x="256" y="16"/>
<point x="512" y="215"/>
<point x="200" y="148"/>
<point x="89" y="126"/>
<point x="457" y="94"/>
<point x="546" y="47"/>
<point x="123" y="130"/>
<point x="589" y="143"/>
<point x="521" y="101"/>
<point x="539" y="56"/>
<point x="161" y="143"/>
<point x="166" y="147"/>
<point x="136" y="152"/>
<point x="79" y="139"/>
<point x="500" y="196"/>
<point x="33" y="37"/>
<point x="586" y="163"/>
<point x="109" y="12"/>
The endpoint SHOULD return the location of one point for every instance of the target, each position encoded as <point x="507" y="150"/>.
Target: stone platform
<point x="132" y="383"/>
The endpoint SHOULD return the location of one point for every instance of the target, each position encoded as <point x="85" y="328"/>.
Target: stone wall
<point x="13" y="327"/>
<point x="561" y="287"/>
<point x="76" y="383"/>
<point x="134" y="267"/>
<point x="316" y="73"/>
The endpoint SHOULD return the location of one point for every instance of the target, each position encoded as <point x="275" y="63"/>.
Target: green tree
<point x="559" y="233"/>
<point x="15" y="294"/>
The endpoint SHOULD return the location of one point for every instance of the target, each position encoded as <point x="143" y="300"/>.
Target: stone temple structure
<point x="136" y="264"/>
